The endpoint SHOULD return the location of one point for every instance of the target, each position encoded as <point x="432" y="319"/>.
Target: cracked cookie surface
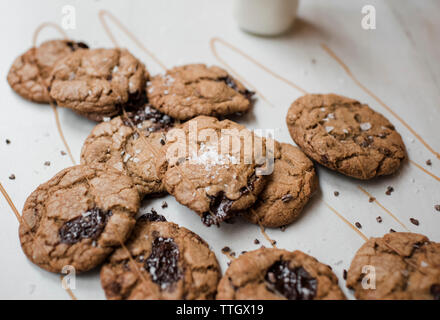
<point x="345" y="135"/>
<point x="131" y="143"/>
<point x="29" y="74"/>
<point x="192" y="90"/>
<point x="78" y="217"/>
<point x="98" y="83"/>
<point x="406" y="266"/>
<point x="201" y="173"/>
<point x="275" y="274"/>
<point x="288" y="189"/>
<point x="161" y="261"/>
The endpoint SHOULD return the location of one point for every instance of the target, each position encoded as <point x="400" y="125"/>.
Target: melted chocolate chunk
<point x="220" y="206"/>
<point x="136" y="101"/>
<point x="435" y="291"/>
<point x="159" y="121"/>
<point x="294" y="284"/>
<point x="219" y="210"/>
<point x="76" y="45"/>
<point x="152" y="216"/>
<point x="162" y="264"/>
<point x="88" y="226"/>
<point x="230" y="82"/>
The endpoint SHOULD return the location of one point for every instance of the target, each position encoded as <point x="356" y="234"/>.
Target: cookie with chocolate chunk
<point x="188" y="91"/>
<point x="131" y="143"/>
<point x="29" y="74"/>
<point x="288" y="189"/>
<point x="398" y="266"/>
<point x="99" y="83"/>
<point x="275" y="274"/>
<point x="78" y="217"/>
<point x="345" y="135"/>
<point x="213" y="167"/>
<point x="161" y="261"/>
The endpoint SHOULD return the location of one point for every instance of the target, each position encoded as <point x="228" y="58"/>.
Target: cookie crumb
<point x="232" y="254"/>
<point x="428" y="162"/>
<point x="336" y="193"/>
<point x="414" y="221"/>
<point x="256" y="241"/>
<point x="371" y="199"/>
<point x="390" y="189"/>
<point x="47" y="163"/>
<point x="437" y="207"/>
<point x="273" y="242"/>
<point x="313" y="61"/>
<point x="164" y="205"/>
<point x="226" y="249"/>
<point x="344" y="274"/>
<point x="63" y="153"/>
<point x="8" y="141"/>
<point x="358" y="225"/>
<point x="392" y="230"/>
<point x="379" y="219"/>
<point x="12" y="176"/>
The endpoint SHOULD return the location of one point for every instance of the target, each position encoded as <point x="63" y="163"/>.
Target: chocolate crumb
<point x="437" y="207"/>
<point x="273" y="242"/>
<point x="414" y="221"/>
<point x="228" y="263"/>
<point x="8" y="141"/>
<point x="358" y="225"/>
<point x="371" y="199"/>
<point x="390" y="189"/>
<point x="379" y="219"/>
<point x="392" y="230"/>
<point x="428" y="162"/>
<point x="232" y="254"/>
<point x="243" y="252"/>
<point x="226" y="249"/>
<point x="344" y="274"/>
<point x="256" y="241"/>
<point x="63" y="153"/>
<point x="283" y="228"/>
<point x="336" y="193"/>
<point x="47" y="163"/>
<point x="286" y="197"/>
<point x="12" y="177"/>
<point x="313" y="61"/>
<point x="164" y="205"/>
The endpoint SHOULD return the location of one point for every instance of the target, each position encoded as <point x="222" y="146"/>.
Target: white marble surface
<point x="399" y="62"/>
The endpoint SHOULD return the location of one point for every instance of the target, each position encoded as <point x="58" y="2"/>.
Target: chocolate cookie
<point x="288" y="188"/>
<point x="345" y="135"/>
<point x="397" y="266"/>
<point x="78" y="217"/>
<point x="161" y="261"/>
<point x="99" y="83"/>
<point x="30" y="72"/>
<point x="269" y="274"/>
<point x="192" y="90"/>
<point x="131" y="144"/>
<point x="204" y="174"/>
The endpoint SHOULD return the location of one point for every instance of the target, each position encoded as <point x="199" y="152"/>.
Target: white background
<point x="399" y="62"/>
